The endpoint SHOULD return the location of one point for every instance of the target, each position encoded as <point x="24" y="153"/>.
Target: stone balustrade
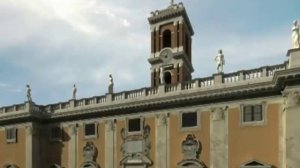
<point x="199" y="83"/>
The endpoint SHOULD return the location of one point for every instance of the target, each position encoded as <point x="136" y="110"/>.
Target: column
<point x="291" y="97"/>
<point x="109" y="143"/>
<point x="219" y="138"/>
<point x="161" y="141"/>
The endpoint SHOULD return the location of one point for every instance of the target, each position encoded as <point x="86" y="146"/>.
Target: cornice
<point x="181" y="98"/>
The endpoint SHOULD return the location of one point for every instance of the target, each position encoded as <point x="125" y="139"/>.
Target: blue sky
<point x="52" y="44"/>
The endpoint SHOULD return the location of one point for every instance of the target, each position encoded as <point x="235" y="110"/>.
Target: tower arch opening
<point x="167" y="38"/>
<point x="167" y="77"/>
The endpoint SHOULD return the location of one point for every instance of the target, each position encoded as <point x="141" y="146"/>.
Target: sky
<point x="52" y="44"/>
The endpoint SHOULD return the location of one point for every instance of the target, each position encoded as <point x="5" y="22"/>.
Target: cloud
<point x="53" y="44"/>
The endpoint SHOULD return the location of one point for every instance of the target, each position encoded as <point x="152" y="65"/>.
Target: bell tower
<point x="171" y="42"/>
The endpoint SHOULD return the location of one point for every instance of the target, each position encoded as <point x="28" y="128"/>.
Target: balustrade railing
<point x="208" y="82"/>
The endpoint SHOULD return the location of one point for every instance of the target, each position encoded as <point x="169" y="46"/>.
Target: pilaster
<point x="73" y="148"/>
<point x="109" y="143"/>
<point x="161" y="141"/>
<point x="28" y="145"/>
<point x="219" y="137"/>
<point x="291" y="97"/>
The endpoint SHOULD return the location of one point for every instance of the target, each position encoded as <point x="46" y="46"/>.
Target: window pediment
<point x="255" y="164"/>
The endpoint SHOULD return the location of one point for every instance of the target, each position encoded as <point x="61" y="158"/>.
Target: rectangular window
<point x="11" y="135"/>
<point x="252" y="113"/>
<point x="90" y="130"/>
<point x="134" y="125"/>
<point x="189" y="120"/>
<point x="56" y="133"/>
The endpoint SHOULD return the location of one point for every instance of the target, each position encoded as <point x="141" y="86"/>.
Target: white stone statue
<point x="28" y="92"/>
<point x="220" y="61"/>
<point x="161" y="76"/>
<point x="74" y="91"/>
<point x="110" y="84"/>
<point x="295" y="35"/>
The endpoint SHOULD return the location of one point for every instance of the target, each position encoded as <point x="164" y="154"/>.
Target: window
<point x="134" y="125"/>
<point x="90" y="130"/>
<point x="252" y="113"/>
<point x="189" y="119"/>
<point x="11" y="135"/>
<point x="56" y="133"/>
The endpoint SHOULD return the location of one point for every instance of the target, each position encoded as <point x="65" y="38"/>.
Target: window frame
<point x="141" y="126"/>
<point x="95" y="135"/>
<point x="60" y="138"/>
<point x="13" y="133"/>
<point x="181" y="128"/>
<point x="261" y="122"/>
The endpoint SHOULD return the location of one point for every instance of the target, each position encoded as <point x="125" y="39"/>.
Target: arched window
<point x="167" y="38"/>
<point x="167" y="77"/>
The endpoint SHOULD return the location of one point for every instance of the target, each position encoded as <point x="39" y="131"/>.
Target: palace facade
<point x="245" y="119"/>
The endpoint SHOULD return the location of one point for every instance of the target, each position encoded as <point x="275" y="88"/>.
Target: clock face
<point x="166" y="55"/>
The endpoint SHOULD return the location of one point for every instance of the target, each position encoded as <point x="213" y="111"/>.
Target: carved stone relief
<point x="89" y="153"/>
<point x="191" y="148"/>
<point x="291" y="99"/>
<point x="218" y="113"/>
<point x="136" y="148"/>
<point x="162" y="119"/>
<point x="109" y="125"/>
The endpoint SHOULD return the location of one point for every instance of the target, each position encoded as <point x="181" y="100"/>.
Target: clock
<point x="166" y="55"/>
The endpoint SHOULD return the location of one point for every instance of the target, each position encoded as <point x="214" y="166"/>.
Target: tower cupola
<point x="171" y="44"/>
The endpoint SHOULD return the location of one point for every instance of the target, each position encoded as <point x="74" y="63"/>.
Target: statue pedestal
<point x="294" y="58"/>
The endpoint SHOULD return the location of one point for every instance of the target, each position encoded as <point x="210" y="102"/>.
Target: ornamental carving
<point x="291" y="99"/>
<point x="191" y="148"/>
<point x="136" y="147"/>
<point x="89" y="153"/>
<point x="218" y="113"/>
<point x="162" y="119"/>
<point x="109" y="125"/>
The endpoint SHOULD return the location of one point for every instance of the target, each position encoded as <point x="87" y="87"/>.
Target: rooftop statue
<point x="28" y="92"/>
<point x="110" y="84"/>
<point x="220" y="61"/>
<point x="74" y="92"/>
<point x="295" y="35"/>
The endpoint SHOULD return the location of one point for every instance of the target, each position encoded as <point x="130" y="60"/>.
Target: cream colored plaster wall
<point x="13" y="153"/>
<point x="177" y="136"/>
<point x="247" y="143"/>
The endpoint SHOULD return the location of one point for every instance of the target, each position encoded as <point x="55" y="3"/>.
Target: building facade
<point x="245" y="119"/>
